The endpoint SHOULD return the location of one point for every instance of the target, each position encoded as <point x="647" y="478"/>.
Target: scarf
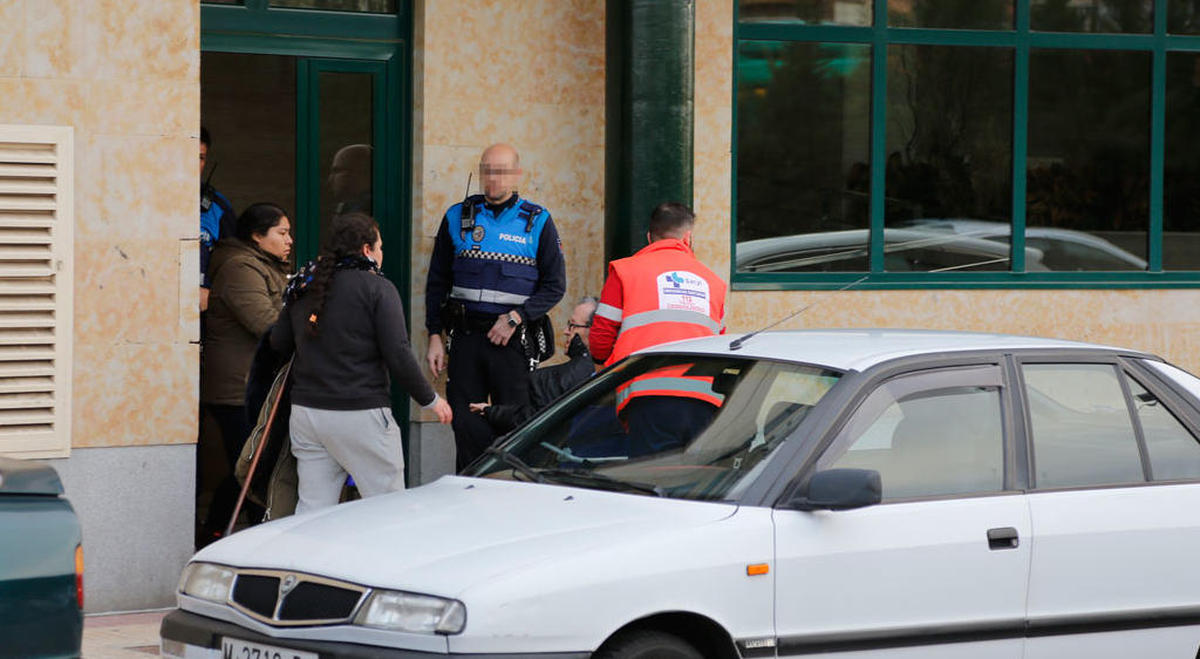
<point x="299" y="282"/>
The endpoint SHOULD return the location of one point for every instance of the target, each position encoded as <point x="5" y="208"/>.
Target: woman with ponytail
<point x="345" y="323"/>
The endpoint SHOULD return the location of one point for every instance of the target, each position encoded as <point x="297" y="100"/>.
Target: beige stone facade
<point x="126" y="77"/>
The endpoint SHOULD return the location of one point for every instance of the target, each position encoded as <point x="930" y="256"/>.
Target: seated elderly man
<point x="547" y="384"/>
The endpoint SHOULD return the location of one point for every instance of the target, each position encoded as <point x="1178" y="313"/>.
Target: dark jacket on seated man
<point x="545" y="385"/>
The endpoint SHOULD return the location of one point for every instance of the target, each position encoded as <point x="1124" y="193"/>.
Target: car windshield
<point x="679" y="426"/>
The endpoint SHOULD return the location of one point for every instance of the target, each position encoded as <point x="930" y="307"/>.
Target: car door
<point x="939" y="568"/>
<point x="1115" y="464"/>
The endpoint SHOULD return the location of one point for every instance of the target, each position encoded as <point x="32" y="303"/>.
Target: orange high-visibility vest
<point x="668" y="295"/>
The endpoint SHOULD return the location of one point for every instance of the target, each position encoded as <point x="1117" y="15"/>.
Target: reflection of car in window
<point x="865" y="492"/>
<point x="905" y="250"/>
<point x="1060" y="249"/>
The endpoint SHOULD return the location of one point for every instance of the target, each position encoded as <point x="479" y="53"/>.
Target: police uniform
<point x="489" y="260"/>
<point x="217" y="220"/>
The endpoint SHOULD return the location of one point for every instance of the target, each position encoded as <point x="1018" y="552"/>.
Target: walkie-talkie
<point x="206" y="190"/>
<point x="467" y="210"/>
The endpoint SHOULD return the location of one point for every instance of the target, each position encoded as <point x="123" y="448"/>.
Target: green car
<point x="41" y="564"/>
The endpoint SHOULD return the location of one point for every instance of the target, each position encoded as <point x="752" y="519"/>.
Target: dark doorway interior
<point x="248" y="104"/>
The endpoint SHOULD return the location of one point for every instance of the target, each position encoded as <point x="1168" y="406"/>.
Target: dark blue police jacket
<point x="216" y="221"/>
<point x="495" y="262"/>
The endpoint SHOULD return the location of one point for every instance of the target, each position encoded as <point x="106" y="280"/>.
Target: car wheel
<point x="647" y="644"/>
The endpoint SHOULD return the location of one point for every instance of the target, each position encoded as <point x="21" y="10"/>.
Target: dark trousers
<point x="235" y="428"/>
<point x="481" y="372"/>
<point x="661" y="423"/>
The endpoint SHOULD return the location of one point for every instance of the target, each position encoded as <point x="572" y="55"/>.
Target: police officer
<point x="217" y="220"/>
<point x="497" y="268"/>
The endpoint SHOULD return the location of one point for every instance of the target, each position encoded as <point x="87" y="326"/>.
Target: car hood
<point x="457" y="532"/>
<point x="28" y="477"/>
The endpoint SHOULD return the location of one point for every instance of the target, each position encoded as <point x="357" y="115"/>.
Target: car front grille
<point x="283" y="598"/>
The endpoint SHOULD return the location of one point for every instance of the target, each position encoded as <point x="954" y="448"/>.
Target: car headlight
<point x="206" y="581"/>
<point x="407" y="612"/>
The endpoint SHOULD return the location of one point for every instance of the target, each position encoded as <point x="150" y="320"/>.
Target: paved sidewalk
<point x="122" y="636"/>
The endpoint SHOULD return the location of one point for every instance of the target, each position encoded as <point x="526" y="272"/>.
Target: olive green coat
<point x="246" y="296"/>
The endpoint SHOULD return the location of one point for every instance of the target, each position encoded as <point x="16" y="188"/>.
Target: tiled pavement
<point x="121" y="636"/>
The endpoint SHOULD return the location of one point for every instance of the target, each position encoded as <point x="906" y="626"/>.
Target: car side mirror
<point x="839" y="489"/>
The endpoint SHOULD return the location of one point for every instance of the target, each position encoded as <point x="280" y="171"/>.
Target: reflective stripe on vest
<point x="609" y="311"/>
<point x="670" y="387"/>
<point x="669" y="316"/>
<point x="669" y="381"/>
<point x="486" y="295"/>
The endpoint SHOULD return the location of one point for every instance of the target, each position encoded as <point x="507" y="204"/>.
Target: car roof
<point x="860" y="349"/>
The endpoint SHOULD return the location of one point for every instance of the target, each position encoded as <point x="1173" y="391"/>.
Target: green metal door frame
<point x="375" y="44"/>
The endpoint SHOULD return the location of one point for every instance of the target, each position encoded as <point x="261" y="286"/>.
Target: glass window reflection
<point x="1183" y="16"/>
<point x="1111" y="16"/>
<point x="1088" y="166"/>
<point x="803" y="140"/>
<point x="347" y="144"/>
<point x="957" y="14"/>
<point x="1181" y="171"/>
<point x="364" y="6"/>
<point x="821" y="12"/>
<point x="949" y="158"/>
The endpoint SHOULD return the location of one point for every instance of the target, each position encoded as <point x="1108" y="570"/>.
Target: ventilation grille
<point x="35" y="290"/>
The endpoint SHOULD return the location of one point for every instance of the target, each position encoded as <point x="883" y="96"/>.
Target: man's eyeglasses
<point x="572" y="325"/>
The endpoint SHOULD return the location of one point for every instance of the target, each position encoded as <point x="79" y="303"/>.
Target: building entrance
<point x="305" y="105"/>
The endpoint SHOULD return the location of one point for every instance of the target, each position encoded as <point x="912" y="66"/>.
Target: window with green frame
<point x="967" y="143"/>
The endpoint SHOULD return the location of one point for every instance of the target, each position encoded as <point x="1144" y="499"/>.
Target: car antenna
<point x="738" y="342"/>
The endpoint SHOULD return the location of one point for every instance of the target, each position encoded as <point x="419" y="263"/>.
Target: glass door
<point x="308" y="134"/>
<point x="342" y="155"/>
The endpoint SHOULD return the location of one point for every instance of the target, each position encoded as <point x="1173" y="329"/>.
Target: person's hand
<point x="442" y="409"/>
<point x="435" y="356"/>
<point x="501" y="332"/>
<point x="204" y="298"/>
<point x="479" y="408"/>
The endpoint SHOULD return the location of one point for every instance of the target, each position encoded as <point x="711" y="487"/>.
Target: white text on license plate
<point x="232" y="648"/>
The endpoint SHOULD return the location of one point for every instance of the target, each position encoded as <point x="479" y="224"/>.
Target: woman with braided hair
<point x="345" y="323"/>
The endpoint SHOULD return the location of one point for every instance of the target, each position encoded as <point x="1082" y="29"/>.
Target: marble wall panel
<point x="51" y="101"/>
<point x="135" y="394"/>
<point x="54" y="33"/>
<point x="159" y="39"/>
<point x="125" y="75"/>
<point x="1157" y="321"/>
<point x="146" y="188"/>
<point x="126" y="291"/>
<point x="12" y="46"/>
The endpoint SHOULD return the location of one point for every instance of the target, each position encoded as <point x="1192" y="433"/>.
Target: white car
<point x="868" y="493"/>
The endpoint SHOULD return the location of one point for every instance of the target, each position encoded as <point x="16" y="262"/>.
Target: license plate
<point x="233" y="648"/>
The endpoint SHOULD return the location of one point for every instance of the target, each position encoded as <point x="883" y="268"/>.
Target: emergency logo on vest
<point x="683" y="291"/>
<point x="478" y="233"/>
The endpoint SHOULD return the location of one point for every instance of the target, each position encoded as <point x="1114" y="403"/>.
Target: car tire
<point x="647" y="644"/>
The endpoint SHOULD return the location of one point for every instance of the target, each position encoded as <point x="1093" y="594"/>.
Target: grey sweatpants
<point x="329" y="443"/>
